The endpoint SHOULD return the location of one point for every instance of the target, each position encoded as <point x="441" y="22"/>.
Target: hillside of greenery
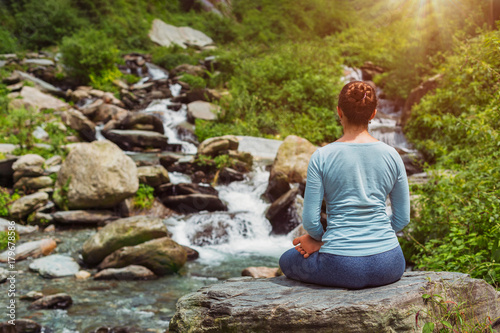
<point x="281" y="61"/>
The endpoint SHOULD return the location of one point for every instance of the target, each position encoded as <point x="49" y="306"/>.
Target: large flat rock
<point x="283" y="305"/>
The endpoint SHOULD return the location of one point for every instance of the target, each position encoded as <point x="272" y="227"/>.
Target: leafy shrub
<point x="4" y="238"/>
<point x="89" y="53"/>
<point x="458" y="128"/>
<point x="9" y="43"/>
<point x="171" y="57"/>
<point x="43" y="23"/>
<point x="144" y="197"/>
<point x="195" y="82"/>
<point x="5" y="199"/>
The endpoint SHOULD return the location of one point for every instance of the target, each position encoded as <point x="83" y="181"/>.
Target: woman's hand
<point x="307" y="245"/>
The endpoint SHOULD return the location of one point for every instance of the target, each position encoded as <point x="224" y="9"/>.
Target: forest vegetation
<point x="282" y="62"/>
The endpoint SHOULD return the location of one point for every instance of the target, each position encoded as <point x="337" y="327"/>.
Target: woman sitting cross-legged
<point x="354" y="175"/>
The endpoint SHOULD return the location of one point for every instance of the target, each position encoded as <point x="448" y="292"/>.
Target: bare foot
<point x="307" y="245"/>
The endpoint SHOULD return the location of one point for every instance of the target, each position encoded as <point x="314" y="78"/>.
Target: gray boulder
<point x="132" y="272"/>
<point x="124" y="232"/>
<point x="23" y="206"/>
<point x="55" y="266"/>
<point x="130" y="139"/>
<point x="32" y="98"/>
<point x="216" y="145"/>
<point x="202" y="110"/>
<point x="33" y="183"/>
<point x="283" y="305"/>
<point x="95" y="175"/>
<point x="87" y="217"/>
<point x="166" y="35"/>
<point x="77" y="121"/>
<point x="153" y="175"/>
<point x="162" y="256"/>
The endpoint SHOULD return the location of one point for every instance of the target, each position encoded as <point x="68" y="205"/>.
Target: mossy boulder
<point x="162" y="256"/>
<point x="95" y="175"/>
<point x="123" y="232"/>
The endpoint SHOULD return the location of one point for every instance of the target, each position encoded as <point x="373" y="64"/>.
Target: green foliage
<point x="451" y="311"/>
<point x="103" y="80"/>
<point x="458" y="128"/>
<point x="5" y="238"/>
<point x="90" y="55"/>
<point x="144" y="197"/>
<point x="171" y="57"/>
<point x="195" y="82"/>
<point x="43" y="23"/>
<point x="22" y="122"/>
<point x="61" y="195"/>
<point x="223" y="161"/>
<point x="288" y="89"/>
<point x="9" y="42"/>
<point x="5" y="199"/>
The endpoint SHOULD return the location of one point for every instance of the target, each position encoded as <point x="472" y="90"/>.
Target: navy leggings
<point x="343" y="271"/>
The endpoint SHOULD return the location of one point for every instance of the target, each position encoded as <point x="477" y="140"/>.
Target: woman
<point x="354" y="175"/>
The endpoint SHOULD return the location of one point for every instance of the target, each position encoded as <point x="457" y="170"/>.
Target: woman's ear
<point x="373" y="114"/>
<point x="339" y="112"/>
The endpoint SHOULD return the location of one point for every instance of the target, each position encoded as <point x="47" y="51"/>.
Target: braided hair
<point x="357" y="100"/>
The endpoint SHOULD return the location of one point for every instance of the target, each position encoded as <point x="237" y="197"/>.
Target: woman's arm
<point x="313" y="198"/>
<point x="400" y="199"/>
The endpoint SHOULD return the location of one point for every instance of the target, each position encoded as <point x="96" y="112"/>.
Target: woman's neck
<point x="356" y="134"/>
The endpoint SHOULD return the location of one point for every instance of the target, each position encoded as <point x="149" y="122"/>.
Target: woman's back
<point x="355" y="179"/>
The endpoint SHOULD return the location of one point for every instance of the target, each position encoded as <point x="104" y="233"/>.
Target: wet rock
<point x="132" y="272"/>
<point x="228" y="175"/>
<point x="416" y="95"/>
<point x="174" y="106"/>
<point x="55" y="266"/>
<point x="95" y="175"/>
<point x="85" y="217"/>
<point x="168" y="160"/>
<point x="21" y="326"/>
<point x="23" y="206"/>
<point x="106" y="112"/>
<point x="166" y="35"/>
<point x="202" y="110"/>
<point x="192" y="254"/>
<point x="214" y="146"/>
<point x="184" y="189"/>
<point x="56" y="301"/>
<point x="292" y="159"/>
<point x="369" y="71"/>
<point x="212" y="228"/>
<point x="37" y="100"/>
<point x="130" y="139"/>
<point x="192" y="203"/>
<point x="283" y="305"/>
<point x="283" y="214"/>
<point x="4" y="274"/>
<point x="162" y="256"/>
<point x="82" y="275"/>
<point x="260" y="272"/>
<point x="32" y="295"/>
<point x="53" y="161"/>
<point x="77" y="121"/>
<point x="124" y="232"/>
<point x="278" y="185"/>
<point x="6" y="171"/>
<point x="20" y="229"/>
<point x="153" y="175"/>
<point x="119" y="329"/>
<point x="33" y="183"/>
<point x="32" y="249"/>
<point x="132" y="120"/>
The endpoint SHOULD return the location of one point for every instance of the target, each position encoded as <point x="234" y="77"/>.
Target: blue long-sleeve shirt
<point x="355" y="179"/>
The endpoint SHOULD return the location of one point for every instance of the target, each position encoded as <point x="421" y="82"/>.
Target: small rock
<point x="4" y="274"/>
<point x="86" y="217"/>
<point x="260" y="272"/>
<point x="32" y="295"/>
<point x="132" y="272"/>
<point x="21" y="326"/>
<point x="26" y="162"/>
<point x="77" y="121"/>
<point x="23" y="206"/>
<point x="51" y="228"/>
<point x="32" y="249"/>
<point x="228" y="175"/>
<point x="20" y="229"/>
<point x="106" y="112"/>
<point x="56" y="301"/>
<point x="33" y="98"/>
<point x="153" y="175"/>
<point x="54" y="266"/>
<point x="193" y="203"/>
<point x="130" y="139"/>
<point x="33" y="183"/>
<point x="82" y="275"/>
<point x="214" y="146"/>
<point x="192" y="254"/>
<point x="202" y="110"/>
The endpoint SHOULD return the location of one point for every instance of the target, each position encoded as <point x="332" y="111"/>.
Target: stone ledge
<point x="283" y="305"/>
